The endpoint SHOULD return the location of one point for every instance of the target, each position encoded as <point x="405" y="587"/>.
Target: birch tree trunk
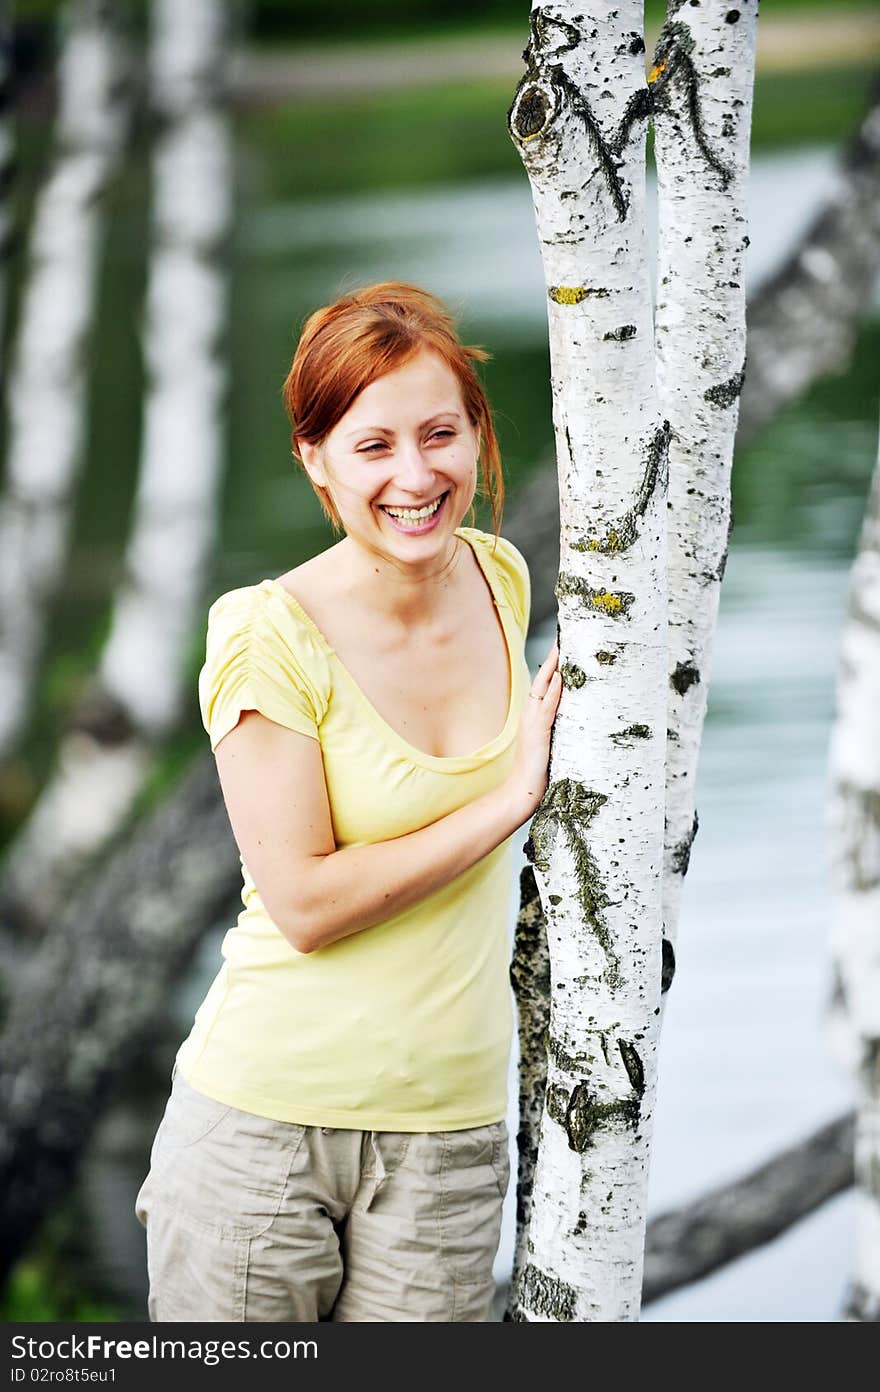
<point x="802" y="323"/>
<point x="46" y="386"/>
<point x="107" y="753"/>
<point x="854" y="825"/>
<point x="596" y="840"/>
<point x="701" y="82"/>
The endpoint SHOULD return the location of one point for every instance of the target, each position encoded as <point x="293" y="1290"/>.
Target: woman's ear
<point x="312" y="461"/>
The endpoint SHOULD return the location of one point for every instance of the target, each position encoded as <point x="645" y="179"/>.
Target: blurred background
<point x="179" y="191"/>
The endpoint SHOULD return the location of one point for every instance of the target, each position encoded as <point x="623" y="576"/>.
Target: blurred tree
<point x="854" y="820"/>
<point x="135" y="697"/>
<point x="46" y="382"/>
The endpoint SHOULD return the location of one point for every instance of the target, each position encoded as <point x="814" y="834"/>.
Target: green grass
<point x="424" y="136"/>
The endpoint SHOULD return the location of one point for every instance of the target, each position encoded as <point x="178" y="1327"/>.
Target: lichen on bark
<point x="573" y="294"/>
<point x="573" y="676"/>
<point x="581" y="1113"/>
<point x="570" y="806"/>
<point x="626" y="737"/>
<point x="547" y="1295"/>
<point x="599" y="601"/>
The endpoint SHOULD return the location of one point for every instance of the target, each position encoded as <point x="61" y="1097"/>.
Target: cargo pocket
<point x="473" y="1179"/>
<point x="501" y="1156"/>
<point x="220" y="1170"/>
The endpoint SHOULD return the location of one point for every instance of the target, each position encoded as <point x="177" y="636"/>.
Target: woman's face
<point x="404" y="443"/>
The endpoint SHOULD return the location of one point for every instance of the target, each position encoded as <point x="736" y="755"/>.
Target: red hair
<point x="365" y="334"/>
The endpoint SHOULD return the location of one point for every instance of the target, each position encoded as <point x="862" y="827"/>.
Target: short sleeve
<point x="259" y="656"/>
<point x="513" y="574"/>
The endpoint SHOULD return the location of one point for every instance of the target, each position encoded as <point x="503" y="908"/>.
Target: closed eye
<point x="377" y="444"/>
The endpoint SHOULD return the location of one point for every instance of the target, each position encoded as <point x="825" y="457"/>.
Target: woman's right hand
<point x="527" y="781"/>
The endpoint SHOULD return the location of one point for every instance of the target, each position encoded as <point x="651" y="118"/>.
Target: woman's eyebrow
<point x="385" y="430"/>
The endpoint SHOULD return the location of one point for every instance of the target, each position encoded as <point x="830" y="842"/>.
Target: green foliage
<point x="332" y="20"/>
<point x="41" y="1289"/>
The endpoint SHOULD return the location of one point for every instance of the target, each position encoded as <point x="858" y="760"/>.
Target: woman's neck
<point x="397" y="592"/>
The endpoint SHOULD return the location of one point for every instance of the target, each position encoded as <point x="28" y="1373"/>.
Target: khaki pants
<point x="250" y="1219"/>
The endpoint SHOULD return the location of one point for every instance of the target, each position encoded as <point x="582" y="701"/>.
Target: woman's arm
<point x="276" y="796"/>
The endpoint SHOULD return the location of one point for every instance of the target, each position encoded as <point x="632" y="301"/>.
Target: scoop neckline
<point x="443" y="762"/>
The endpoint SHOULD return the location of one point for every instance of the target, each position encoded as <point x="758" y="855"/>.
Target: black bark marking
<point x="632" y="1062"/>
<point x="621" y="335"/>
<point x="604" y="150"/>
<point x="568" y="443"/>
<point x="681" y="853"/>
<point x="667" y="971"/>
<point x="673" y="62"/>
<point x="530" y="113"/>
<point x="718" y="572"/>
<point x="621" y="534"/>
<point x="686" y="674"/>
<point x="626" y="737"/>
<point x="725" y="393"/>
<point x="581" y="1114"/>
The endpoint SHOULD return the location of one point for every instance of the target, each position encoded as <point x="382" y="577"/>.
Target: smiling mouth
<point x="414" y="515"/>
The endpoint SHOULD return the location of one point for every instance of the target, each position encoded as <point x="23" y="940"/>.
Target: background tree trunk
<point x="107" y="970"/>
<point x="46" y="382"/>
<point x="106" y="755"/>
<point x="854" y="819"/>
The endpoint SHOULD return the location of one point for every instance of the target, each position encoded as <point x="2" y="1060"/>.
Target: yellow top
<point x="404" y="1026"/>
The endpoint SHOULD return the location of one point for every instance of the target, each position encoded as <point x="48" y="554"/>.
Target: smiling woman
<point x="407" y="469"/>
<point x="335" y="1145"/>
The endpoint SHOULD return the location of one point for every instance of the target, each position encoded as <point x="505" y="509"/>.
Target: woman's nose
<point x="414" y="471"/>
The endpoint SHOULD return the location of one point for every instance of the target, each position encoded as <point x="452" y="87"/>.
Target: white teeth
<point x="415" y="514"/>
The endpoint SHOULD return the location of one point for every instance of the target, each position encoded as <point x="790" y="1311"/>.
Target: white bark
<point x="701" y="82"/>
<point x="802" y="323"/>
<point x="854" y="827"/>
<point x="578" y="121"/>
<point x="47" y="377"/>
<point x="140" y="683"/>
